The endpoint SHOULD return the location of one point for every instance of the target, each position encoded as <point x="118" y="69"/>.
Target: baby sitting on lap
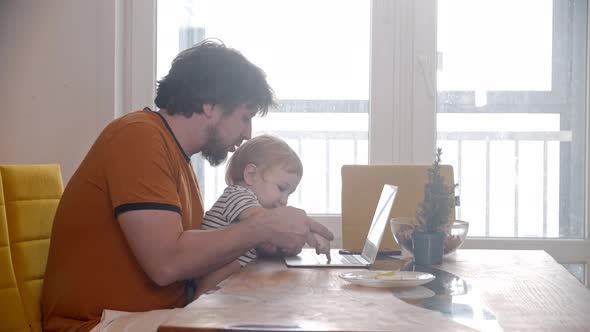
<point x="261" y="174"/>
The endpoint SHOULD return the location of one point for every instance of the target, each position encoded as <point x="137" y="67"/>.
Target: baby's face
<point x="273" y="186"/>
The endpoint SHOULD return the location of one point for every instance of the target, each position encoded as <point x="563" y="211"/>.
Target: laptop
<point x="308" y="258"/>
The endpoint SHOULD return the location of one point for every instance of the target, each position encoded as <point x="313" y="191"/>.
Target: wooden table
<point x="526" y="290"/>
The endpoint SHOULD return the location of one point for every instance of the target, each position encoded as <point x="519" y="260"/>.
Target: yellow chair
<point x="12" y="315"/>
<point x="361" y="187"/>
<point x="30" y="195"/>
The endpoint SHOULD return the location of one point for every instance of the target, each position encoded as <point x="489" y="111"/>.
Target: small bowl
<point x="403" y="228"/>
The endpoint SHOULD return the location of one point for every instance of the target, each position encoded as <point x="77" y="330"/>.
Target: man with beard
<point x="126" y="235"/>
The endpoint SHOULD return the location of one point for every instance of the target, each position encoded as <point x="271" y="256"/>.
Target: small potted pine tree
<point x="433" y="216"/>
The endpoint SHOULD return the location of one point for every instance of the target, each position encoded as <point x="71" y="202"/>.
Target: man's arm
<point x="167" y="253"/>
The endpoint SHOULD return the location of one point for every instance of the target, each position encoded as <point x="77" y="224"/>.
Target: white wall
<point x="64" y="75"/>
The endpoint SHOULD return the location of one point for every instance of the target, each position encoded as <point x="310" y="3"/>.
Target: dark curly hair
<point x="211" y="73"/>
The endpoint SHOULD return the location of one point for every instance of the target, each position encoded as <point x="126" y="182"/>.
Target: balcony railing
<point x="319" y="187"/>
<point x="545" y="161"/>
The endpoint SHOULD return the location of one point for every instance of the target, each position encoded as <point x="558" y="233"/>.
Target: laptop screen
<point x="379" y="222"/>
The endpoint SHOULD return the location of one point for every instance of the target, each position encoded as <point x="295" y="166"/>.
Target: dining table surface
<point x="486" y="290"/>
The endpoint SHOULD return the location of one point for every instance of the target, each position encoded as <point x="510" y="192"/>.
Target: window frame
<point x="563" y="250"/>
<point x="560" y="97"/>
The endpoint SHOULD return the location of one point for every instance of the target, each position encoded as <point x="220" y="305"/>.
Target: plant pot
<point x="428" y="248"/>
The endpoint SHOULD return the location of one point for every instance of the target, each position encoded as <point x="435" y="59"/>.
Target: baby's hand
<point x="321" y="244"/>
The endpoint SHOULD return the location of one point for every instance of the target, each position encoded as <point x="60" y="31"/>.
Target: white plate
<point x="387" y="278"/>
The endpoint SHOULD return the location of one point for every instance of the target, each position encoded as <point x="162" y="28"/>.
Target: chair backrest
<point x="31" y="194"/>
<point x="361" y="186"/>
<point x="12" y="314"/>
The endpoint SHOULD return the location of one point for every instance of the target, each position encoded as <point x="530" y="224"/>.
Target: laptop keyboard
<point x="346" y="259"/>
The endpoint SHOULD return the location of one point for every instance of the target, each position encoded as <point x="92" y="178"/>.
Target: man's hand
<point x="320" y="229"/>
<point x="319" y="238"/>
<point x="267" y="249"/>
<point x="287" y="253"/>
<point x="321" y="245"/>
<point x="289" y="228"/>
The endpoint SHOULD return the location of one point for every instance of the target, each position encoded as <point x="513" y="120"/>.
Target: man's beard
<point x="213" y="151"/>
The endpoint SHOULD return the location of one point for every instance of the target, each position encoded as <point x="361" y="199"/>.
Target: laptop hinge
<point x="363" y="260"/>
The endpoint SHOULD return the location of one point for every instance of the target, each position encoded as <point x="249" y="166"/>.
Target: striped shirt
<point x="226" y="210"/>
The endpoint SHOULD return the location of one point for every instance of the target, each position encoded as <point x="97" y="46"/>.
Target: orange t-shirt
<point x="135" y="164"/>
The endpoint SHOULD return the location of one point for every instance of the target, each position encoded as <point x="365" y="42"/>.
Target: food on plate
<point x="389" y="275"/>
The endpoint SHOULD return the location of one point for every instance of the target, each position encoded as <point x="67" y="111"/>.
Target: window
<point x="511" y="114"/>
<point x="500" y="85"/>
<point x="512" y="119"/>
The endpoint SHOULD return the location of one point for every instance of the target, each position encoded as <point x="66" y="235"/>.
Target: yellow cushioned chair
<point x="361" y="187"/>
<point x="29" y="197"/>
<point x="12" y="315"/>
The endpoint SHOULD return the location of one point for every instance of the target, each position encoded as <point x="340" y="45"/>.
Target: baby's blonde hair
<point x="266" y="152"/>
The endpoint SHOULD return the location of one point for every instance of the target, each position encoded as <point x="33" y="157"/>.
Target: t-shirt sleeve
<point x="139" y="171"/>
<point x="238" y="201"/>
<point x="228" y="207"/>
